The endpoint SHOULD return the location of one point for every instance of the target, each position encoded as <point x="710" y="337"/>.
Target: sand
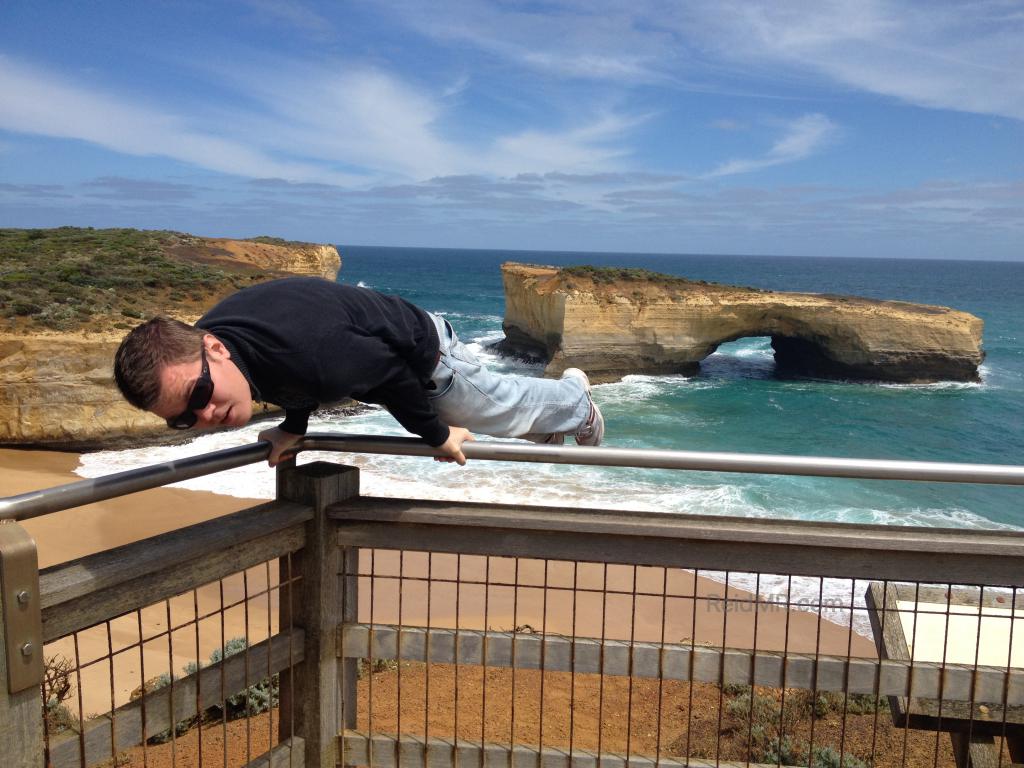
<point x="75" y="533"/>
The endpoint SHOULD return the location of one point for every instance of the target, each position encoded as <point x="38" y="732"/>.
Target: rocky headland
<point x="67" y="297"/>
<point x="613" y="322"/>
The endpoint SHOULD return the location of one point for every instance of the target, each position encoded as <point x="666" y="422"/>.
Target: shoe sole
<point x="598" y="416"/>
<point x="597" y="436"/>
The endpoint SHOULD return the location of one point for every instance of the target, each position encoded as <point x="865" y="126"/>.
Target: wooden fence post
<point x="21" y="713"/>
<point x="315" y="604"/>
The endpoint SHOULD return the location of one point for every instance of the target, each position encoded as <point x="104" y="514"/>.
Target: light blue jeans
<point x="502" y="405"/>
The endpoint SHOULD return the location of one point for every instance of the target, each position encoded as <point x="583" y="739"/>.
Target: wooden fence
<point x="385" y="654"/>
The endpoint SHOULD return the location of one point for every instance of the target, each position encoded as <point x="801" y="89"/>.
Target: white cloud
<point x="597" y="41"/>
<point x="802" y="138"/>
<point x="39" y="103"/>
<point x="293" y="13"/>
<point x="390" y="128"/>
<point x="590" y="65"/>
<point x="964" y="56"/>
<point x="586" y="149"/>
<point x="955" y="55"/>
<point x="460" y="85"/>
<point x="362" y="117"/>
<point x="331" y="124"/>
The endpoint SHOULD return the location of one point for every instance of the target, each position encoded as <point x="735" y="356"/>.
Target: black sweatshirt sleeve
<point x="296" y="421"/>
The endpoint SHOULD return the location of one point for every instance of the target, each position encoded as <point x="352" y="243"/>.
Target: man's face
<point x="231" y="403"/>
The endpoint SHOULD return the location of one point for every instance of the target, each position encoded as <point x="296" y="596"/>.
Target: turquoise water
<point x="735" y="404"/>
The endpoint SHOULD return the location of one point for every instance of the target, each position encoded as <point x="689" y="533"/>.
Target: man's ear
<point x="215" y="349"/>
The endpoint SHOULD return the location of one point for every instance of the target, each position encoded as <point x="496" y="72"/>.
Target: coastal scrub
<point x="70" y="278"/>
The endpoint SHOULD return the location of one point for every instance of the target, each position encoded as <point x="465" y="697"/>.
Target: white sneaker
<point x="592" y="432"/>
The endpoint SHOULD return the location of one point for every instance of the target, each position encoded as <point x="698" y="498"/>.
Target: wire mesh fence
<point x="494" y="660"/>
<point x="191" y="680"/>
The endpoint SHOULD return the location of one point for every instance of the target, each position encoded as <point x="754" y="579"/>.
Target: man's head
<point x="166" y="367"/>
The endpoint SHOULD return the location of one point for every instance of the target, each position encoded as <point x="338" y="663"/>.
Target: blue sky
<point x="804" y="128"/>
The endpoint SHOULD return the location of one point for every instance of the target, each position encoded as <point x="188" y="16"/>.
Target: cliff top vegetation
<point x="72" y="278"/>
<point x="627" y="274"/>
<point x="609" y="275"/>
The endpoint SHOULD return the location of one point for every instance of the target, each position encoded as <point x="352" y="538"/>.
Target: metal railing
<point x="429" y="634"/>
<point x="36" y="503"/>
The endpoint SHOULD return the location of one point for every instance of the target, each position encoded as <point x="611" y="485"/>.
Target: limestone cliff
<point x="308" y="259"/>
<point x="57" y="390"/>
<point x="612" y="325"/>
<point x="57" y="385"/>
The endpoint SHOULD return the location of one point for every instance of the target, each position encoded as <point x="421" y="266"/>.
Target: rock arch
<point x="659" y="324"/>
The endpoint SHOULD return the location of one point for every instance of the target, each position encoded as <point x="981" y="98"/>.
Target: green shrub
<point x="627" y="274"/>
<point x="865" y="703"/>
<point x="259" y="697"/>
<point x="57" y="689"/>
<point x="771" y="727"/>
<point x="828" y="757"/>
<point x="780" y="751"/>
<point x="735" y="689"/>
<point x="59" y="718"/>
<point x="60" y="317"/>
<point x="23" y="308"/>
<point x="825" y="703"/>
<point x="271" y="240"/>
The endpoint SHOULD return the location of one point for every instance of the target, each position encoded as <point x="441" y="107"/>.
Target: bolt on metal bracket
<point x="22" y="634"/>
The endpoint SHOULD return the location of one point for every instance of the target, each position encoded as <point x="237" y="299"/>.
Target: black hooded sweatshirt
<point x="303" y="342"/>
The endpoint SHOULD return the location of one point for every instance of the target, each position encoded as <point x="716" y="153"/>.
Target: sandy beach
<point x="74" y="533"/>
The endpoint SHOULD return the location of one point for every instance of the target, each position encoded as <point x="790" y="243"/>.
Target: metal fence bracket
<point x="23" y="623"/>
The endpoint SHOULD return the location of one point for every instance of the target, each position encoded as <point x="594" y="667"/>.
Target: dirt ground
<point x="668" y="720"/>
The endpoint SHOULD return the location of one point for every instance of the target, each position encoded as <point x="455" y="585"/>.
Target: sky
<point x="821" y="128"/>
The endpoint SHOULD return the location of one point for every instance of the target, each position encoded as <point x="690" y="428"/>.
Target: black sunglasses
<point x="199" y="398"/>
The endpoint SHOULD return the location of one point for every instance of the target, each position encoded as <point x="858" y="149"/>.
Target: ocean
<point x="735" y="404"/>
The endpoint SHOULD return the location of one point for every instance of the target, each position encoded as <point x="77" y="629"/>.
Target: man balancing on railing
<point x="301" y="342"/>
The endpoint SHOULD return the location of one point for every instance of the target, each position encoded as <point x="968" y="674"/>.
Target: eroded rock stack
<point x="616" y="322"/>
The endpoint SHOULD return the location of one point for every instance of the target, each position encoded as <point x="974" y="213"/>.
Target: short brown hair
<point x="146" y="350"/>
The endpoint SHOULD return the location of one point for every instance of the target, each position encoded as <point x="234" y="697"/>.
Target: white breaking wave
<point x="954" y="517"/>
<point x="757" y="354"/>
<point x="939" y="386"/>
<point x="638" y="387"/>
<point x="496" y="319"/>
<point x="482" y="348"/>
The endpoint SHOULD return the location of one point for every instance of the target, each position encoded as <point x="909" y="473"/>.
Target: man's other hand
<point x="451" y="449"/>
<point x="280" y="443"/>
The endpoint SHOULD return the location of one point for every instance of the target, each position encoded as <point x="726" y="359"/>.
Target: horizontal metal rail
<point x="36" y="503"/>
